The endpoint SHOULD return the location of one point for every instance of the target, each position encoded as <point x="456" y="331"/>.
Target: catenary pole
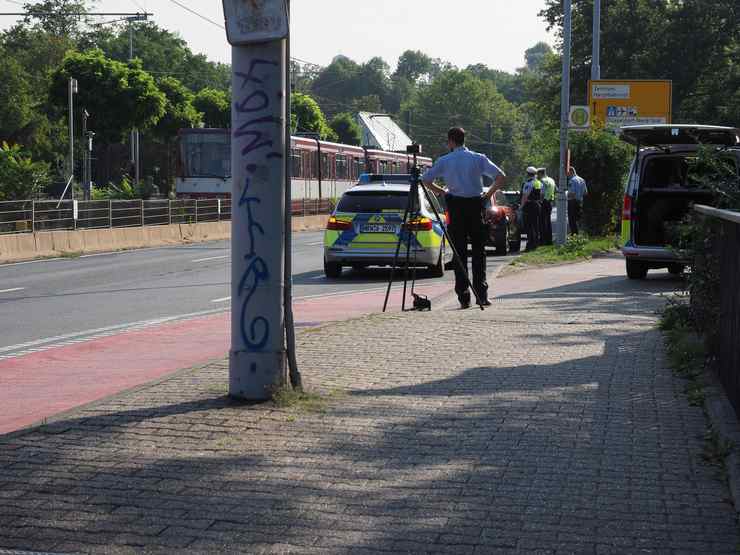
<point x="258" y="35"/>
<point x="71" y="93"/>
<point x="562" y="204"/>
<point x="596" y="55"/>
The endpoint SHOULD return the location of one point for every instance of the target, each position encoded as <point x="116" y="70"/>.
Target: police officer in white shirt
<point x="462" y="172"/>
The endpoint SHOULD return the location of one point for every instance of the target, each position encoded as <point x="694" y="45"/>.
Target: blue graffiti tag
<point x="254" y="329"/>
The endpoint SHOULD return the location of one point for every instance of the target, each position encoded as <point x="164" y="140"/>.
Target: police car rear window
<point x="373" y="201"/>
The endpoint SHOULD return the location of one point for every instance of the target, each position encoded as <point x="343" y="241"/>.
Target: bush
<point x="20" y="177"/>
<point x="603" y="161"/>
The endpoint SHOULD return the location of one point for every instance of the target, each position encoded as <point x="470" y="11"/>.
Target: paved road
<point x="48" y="299"/>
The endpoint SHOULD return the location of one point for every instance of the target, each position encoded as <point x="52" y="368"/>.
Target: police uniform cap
<point x="531" y="170"/>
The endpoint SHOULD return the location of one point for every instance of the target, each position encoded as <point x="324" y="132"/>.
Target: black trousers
<point x="546" y="223"/>
<point x="574" y="215"/>
<point x="531" y="212"/>
<point x="467" y="225"/>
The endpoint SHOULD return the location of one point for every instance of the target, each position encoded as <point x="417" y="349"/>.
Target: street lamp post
<point x="134" y="131"/>
<point x="596" y="55"/>
<point x="71" y="92"/>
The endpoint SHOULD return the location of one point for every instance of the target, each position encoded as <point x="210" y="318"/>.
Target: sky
<point x="464" y="32"/>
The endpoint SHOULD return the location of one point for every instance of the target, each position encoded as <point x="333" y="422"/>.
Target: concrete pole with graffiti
<point x="257" y="31"/>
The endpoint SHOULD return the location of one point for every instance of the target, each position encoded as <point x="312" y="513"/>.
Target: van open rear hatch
<point x="667" y="135"/>
<point x="672" y="179"/>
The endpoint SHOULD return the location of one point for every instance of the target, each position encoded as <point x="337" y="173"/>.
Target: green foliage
<point x="414" y="64"/>
<point x="124" y="190"/>
<point x="179" y="111"/>
<point x="603" y="161"/>
<point x="17" y="104"/>
<point x="56" y="17"/>
<point x="215" y="105"/>
<point x="20" y="177"/>
<point x="118" y="97"/>
<point x="346" y="128"/>
<point x="307" y="117"/>
<point x="162" y="53"/>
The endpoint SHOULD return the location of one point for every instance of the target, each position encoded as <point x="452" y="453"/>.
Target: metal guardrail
<point x="26" y="216"/>
<point x="727" y="251"/>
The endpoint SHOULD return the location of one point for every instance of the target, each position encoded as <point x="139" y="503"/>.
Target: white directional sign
<point x="251" y="21"/>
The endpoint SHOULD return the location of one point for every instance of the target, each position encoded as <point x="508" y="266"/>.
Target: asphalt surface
<point x="43" y="301"/>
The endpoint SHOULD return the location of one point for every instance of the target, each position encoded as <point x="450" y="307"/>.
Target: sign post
<point x="257" y="31"/>
<point x="562" y="205"/>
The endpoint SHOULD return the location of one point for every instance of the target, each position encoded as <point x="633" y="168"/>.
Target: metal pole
<point x="490" y="140"/>
<point x="257" y="358"/>
<point x="596" y="55"/>
<point x="562" y="227"/>
<point x="72" y="90"/>
<point x="84" y="154"/>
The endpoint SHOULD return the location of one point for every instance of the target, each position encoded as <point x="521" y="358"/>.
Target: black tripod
<point x="411" y="214"/>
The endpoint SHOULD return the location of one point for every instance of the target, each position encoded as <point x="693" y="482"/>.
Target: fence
<point x="727" y="251"/>
<point x="26" y="216"/>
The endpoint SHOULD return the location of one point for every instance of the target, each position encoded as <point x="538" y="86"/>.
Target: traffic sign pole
<point x="562" y="203"/>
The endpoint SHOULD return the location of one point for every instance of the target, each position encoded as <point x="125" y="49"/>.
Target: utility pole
<point x="71" y="92"/>
<point x="596" y="55"/>
<point x="134" y="131"/>
<point x="85" y="193"/>
<point x="258" y="33"/>
<point x="562" y="203"/>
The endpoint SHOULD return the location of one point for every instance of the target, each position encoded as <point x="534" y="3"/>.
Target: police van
<point x="667" y="176"/>
<point x="365" y="227"/>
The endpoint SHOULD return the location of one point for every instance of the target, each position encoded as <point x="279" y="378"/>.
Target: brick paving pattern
<point x="548" y="424"/>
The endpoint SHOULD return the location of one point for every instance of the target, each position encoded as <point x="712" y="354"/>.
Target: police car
<point x="366" y="225"/>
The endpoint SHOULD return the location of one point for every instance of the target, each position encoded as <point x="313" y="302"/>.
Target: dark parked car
<point x="504" y="233"/>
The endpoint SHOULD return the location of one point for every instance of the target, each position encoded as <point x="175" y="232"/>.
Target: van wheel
<point x="636" y="270"/>
<point x="438" y="270"/>
<point x="332" y="269"/>
<point x="516" y="245"/>
<point x="675" y="269"/>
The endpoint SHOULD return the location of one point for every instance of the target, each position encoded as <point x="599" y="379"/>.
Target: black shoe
<point x="485" y="302"/>
<point x="464" y="302"/>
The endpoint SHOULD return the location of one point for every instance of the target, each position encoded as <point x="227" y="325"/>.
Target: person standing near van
<point x="548" y="197"/>
<point x="577" y="190"/>
<point x="531" y="207"/>
<point x="462" y="171"/>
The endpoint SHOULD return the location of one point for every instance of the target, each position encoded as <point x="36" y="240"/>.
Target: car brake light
<point x="447" y="217"/>
<point x="627" y="209"/>
<point x="338" y="225"/>
<point x="419" y="224"/>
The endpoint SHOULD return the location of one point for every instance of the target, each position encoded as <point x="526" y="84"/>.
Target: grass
<point x="576" y="248"/>
<point x="298" y="400"/>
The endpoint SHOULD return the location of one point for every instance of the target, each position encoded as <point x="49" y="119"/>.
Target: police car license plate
<point x="379" y="228"/>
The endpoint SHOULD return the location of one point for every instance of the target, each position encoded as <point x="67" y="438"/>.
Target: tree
<point x="307" y="117"/>
<point x="603" y="161"/>
<point x="346" y="128"/>
<point x="118" y="97"/>
<point x="16" y="105"/>
<point x="369" y="103"/>
<point x="179" y="111"/>
<point x="20" y="177"/>
<point x="536" y="55"/>
<point x="55" y="17"/>
<point x="215" y="105"/>
<point x="457" y="97"/>
<point x="162" y="53"/>
<point x="413" y="64"/>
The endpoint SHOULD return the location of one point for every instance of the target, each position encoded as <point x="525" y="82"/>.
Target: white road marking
<point x="12" y="290"/>
<point x="212" y="258"/>
<point x="222" y="300"/>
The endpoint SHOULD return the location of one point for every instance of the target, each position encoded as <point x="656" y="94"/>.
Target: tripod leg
<point x="395" y="257"/>
<point x="452" y="246"/>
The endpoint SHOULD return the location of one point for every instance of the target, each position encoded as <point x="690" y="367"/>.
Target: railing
<point x="727" y="252"/>
<point x="25" y="216"/>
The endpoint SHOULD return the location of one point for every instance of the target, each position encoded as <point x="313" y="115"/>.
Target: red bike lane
<point x="38" y="385"/>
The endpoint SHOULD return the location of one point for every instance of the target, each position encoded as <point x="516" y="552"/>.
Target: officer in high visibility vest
<point x="531" y="201"/>
<point x="548" y="197"/>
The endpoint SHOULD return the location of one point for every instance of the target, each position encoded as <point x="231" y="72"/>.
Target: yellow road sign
<point x="616" y="102"/>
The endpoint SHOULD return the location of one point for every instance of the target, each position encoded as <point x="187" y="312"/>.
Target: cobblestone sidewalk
<point x="547" y="424"/>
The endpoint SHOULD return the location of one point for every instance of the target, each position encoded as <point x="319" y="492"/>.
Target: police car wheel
<point x="332" y="269"/>
<point x="438" y="270"/>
